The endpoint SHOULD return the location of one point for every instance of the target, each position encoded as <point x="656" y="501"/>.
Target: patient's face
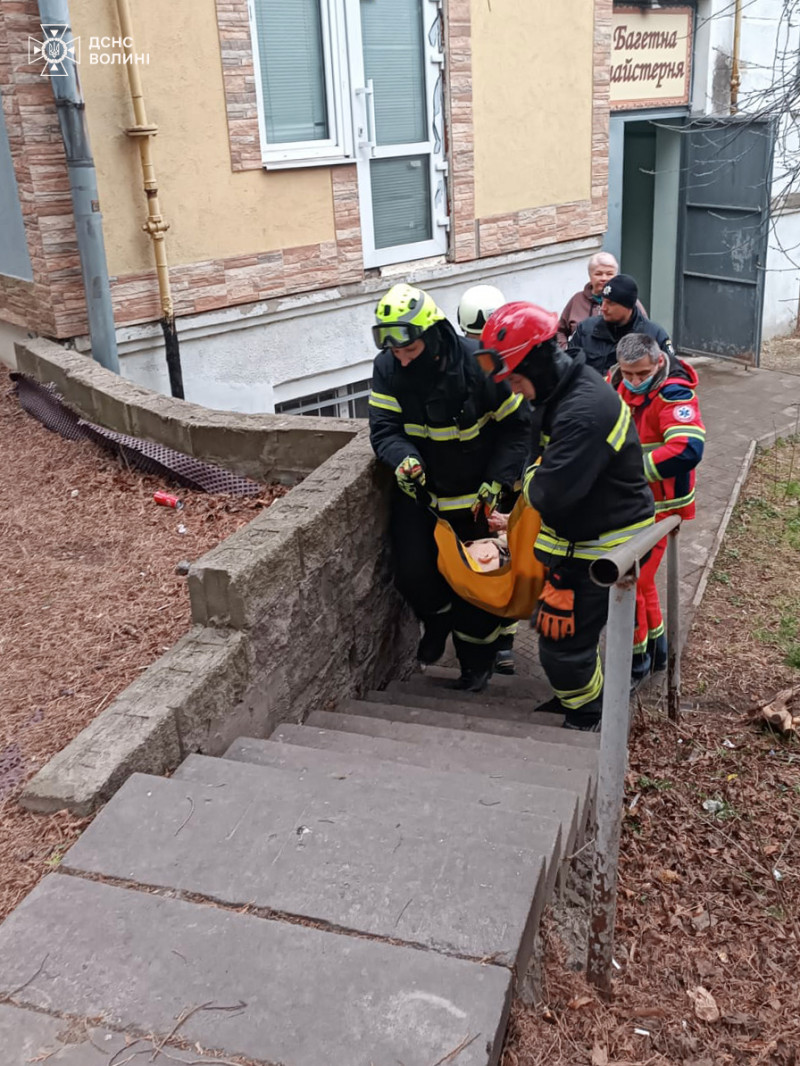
<point x="486" y="553"/>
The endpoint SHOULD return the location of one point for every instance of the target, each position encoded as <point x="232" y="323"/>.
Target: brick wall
<point x="53" y="304"/>
<point x="479" y="237"/>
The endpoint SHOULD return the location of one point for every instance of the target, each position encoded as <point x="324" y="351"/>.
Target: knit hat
<point x="622" y="289"/>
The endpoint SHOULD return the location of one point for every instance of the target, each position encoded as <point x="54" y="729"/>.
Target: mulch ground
<point x="90" y="597"/>
<point x="708" y="924"/>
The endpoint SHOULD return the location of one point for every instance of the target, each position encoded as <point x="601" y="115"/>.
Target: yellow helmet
<point x="402" y="315"/>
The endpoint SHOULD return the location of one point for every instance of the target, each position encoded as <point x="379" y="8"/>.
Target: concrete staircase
<point x="360" y="890"/>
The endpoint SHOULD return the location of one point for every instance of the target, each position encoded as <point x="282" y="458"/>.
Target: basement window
<point x="349" y="401"/>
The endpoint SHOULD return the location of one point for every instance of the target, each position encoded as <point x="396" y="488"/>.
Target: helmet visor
<point x="396" y="334"/>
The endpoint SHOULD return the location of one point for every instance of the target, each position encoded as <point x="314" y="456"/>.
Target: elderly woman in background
<point x="602" y="268"/>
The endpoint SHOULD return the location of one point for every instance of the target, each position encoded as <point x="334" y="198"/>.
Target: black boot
<point x="551" y="706"/>
<point x="434" y="638"/>
<point x="473" y="680"/>
<point x="657" y="650"/>
<point x="504" y="661"/>
<point x="640" y="668"/>
<point x="586" y="718"/>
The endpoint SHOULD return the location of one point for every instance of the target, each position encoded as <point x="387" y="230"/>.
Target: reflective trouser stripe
<point x="468" y="639"/>
<point x="509" y="630"/>
<point x="579" y="697"/>
<point x="676" y="504"/>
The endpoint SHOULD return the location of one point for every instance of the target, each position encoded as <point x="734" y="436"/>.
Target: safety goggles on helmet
<point x="396" y="334"/>
<point x="491" y="362"/>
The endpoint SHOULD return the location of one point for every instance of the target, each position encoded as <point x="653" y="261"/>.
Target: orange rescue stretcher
<point x="510" y="591"/>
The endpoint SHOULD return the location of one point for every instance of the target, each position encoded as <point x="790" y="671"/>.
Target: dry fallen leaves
<point x="778" y="714"/>
<point x="705" y="1006"/>
<point x="579" y="1001"/>
<point x="599" y="1056"/>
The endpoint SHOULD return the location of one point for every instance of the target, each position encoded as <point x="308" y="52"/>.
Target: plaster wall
<point x="247" y="359"/>
<point x="528" y="153"/>
<point x="212" y="211"/>
<point x="782" y="281"/>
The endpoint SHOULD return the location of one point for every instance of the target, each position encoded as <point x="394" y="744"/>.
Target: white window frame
<point x="338" y="148"/>
<point x="367" y="149"/>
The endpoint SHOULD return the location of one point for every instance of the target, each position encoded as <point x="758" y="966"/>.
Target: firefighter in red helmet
<point x="587" y="484"/>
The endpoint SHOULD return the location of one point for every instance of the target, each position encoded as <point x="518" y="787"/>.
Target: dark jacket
<point x="583" y="304"/>
<point x="463" y="427"/>
<point x="598" y="340"/>
<point x="590" y="487"/>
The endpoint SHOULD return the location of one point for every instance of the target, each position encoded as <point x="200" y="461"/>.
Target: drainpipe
<point x="155" y="225"/>
<point x="85" y="199"/>
<point x="736" y="79"/>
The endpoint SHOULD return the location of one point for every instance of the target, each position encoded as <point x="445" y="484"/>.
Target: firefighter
<point x="598" y="337"/>
<point x="589" y="488"/>
<point x="666" y="413"/>
<point x="454" y="440"/>
<point x="474" y="309"/>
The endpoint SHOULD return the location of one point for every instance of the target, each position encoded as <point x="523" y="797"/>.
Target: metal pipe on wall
<point x="736" y="78"/>
<point x="155" y="225"/>
<point x="85" y="198"/>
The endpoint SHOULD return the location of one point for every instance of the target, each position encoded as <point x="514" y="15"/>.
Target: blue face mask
<point x="643" y="386"/>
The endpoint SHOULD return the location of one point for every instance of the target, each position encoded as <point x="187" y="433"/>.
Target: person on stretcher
<point x="490" y="553"/>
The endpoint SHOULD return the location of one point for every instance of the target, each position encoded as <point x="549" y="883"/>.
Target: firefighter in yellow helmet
<point x="455" y="440"/>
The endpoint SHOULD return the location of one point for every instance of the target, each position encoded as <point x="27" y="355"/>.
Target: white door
<point x="397" y="66"/>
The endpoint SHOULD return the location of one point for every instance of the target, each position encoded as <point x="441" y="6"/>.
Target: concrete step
<point x="372" y="861"/>
<point x="443" y="717"/>
<point x="521" y="693"/>
<point x="538" y="751"/>
<point x="503" y="710"/>
<point x="295" y="995"/>
<point x="28" y="1037"/>
<point x="451" y="758"/>
<point x="501" y="686"/>
<point x="466" y="790"/>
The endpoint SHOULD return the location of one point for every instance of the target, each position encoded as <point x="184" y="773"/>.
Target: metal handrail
<point x="610" y="568"/>
<point x="618" y="570"/>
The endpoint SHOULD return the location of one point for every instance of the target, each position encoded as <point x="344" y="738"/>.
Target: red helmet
<point x="510" y="333"/>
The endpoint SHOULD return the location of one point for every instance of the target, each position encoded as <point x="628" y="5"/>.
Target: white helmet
<point x="476" y="305"/>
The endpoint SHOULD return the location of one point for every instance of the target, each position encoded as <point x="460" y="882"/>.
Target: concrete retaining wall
<point x="294" y="611"/>
<point x="261" y="446"/>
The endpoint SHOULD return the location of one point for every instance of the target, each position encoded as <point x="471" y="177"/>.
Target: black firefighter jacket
<point x="463" y="427"/>
<point x="589" y="487"/>
<point x="598" y="340"/>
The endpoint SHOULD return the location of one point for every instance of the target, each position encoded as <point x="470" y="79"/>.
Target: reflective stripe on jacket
<point x="589" y="486"/>
<point x="463" y="427"/>
<point x="673" y="437"/>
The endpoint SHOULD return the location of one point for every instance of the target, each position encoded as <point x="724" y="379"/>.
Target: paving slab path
<point x="359" y="890"/>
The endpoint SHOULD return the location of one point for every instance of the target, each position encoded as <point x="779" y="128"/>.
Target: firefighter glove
<point x="487" y="498"/>
<point x="410" y="476"/>
<point x="555" y="611"/>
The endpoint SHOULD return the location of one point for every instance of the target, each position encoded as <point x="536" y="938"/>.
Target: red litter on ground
<point x="165" y="500"/>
